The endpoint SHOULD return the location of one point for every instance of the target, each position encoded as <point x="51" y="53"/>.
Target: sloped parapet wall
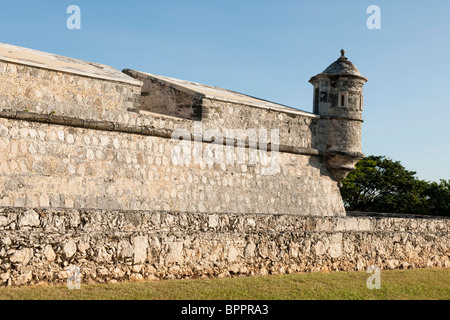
<point x="45" y="245"/>
<point x="44" y="83"/>
<point x="219" y="108"/>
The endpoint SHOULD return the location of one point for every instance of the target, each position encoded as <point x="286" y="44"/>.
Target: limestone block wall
<point x="42" y="245"/>
<point x="295" y="131"/>
<point x="169" y="101"/>
<point x="55" y="166"/>
<point x="46" y="91"/>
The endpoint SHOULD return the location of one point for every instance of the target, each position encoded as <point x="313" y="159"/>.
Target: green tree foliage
<point x="380" y="184"/>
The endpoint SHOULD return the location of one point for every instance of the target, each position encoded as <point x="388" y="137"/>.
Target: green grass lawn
<point x="395" y="284"/>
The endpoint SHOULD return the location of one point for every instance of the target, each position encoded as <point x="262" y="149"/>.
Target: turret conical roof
<point x="341" y="66"/>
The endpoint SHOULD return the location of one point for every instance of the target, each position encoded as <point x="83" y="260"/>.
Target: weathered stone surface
<point x="140" y="249"/>
<point x="71" y="168"/>
<point x="69" y="249"/>
<point x="91" y="220"/>
<point x="29" y="218"/>
<point x="162" y="245"/>
<point x="175" y="252"/>
<point x="49" y="253"/>
<point x="22" y="256"/>
<point x="61" y="86"/>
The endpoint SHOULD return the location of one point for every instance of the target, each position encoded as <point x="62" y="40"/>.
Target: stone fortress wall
<point x="40" y="245"/>
<point x="88" y="178"/>
<point x="75" y="141"/>
<point x="46" y="165"/>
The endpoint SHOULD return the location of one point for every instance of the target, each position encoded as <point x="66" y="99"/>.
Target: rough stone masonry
<point x="89" y="178"/>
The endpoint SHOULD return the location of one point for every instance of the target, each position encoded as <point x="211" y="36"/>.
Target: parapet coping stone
<point x="219" y="94"/>
<point x="380" y="215"/>
<point x="49" y="61"/>
<point x="138" y="221"/>
<point x="102" y="125"/>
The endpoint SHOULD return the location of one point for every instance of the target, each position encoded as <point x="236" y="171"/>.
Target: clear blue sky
<point x="270" y="49"/>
